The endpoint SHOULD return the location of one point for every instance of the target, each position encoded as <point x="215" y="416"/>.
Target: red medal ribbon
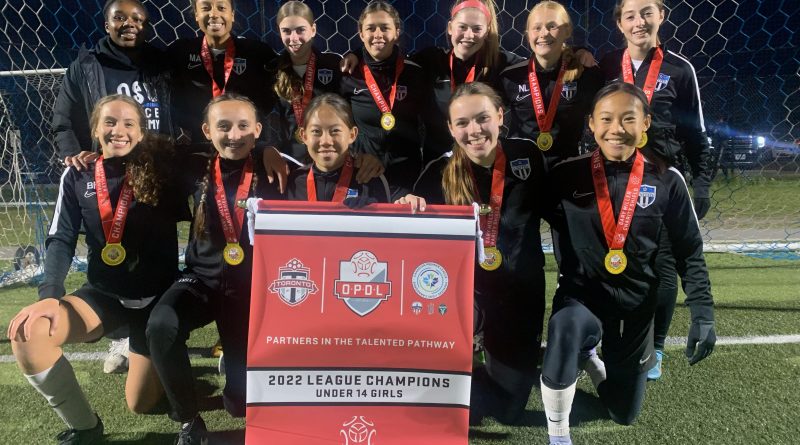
<point x="341" y="185"/>
<point x="616" y="231"/>
<point x="113" y="221"/>
<point x="232" y="228"/>
<point x="470" y="75"/>
<point x="652" y="72"/>
<point x="490" y="224"/>
<point x="298" y="105"/>
<point x="375" y="90"/>
<point x="545" y="118"/>
<point x="205" y="54"/>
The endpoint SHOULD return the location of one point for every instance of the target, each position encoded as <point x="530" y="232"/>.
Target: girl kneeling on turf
<point x="607" y="287"/>
<point x="215" y="285"/>
<point x="132" y="259"/>
<point x="329" y="129"/>
<point x="506" y="177"/>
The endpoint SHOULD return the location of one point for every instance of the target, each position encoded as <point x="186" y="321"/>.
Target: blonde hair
<point x="286" y="79"/>
<point x="148" y="168"/>
<point x="574" y="67"/>
<point x="457" y="183"/>
<point x="199" y="223"/>
<point x="490" y="51"/>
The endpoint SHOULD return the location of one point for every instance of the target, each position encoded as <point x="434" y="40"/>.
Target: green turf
<point x="740" y="395"/>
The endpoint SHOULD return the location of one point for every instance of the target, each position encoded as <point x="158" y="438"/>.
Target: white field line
<point x="671" y="342"/>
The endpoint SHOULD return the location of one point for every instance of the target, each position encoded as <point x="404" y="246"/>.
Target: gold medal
<point x="297" y="136"/>
<point x="233" y="254"/>
<point x="544" y="141"/>
<point x="485" y="209"/>
<point x="642" y="142"/>
<point x="616" y="261"/>
<point x="387" y="121"/>
<point x="493" y="258"/>
<point x="113" y="254"/>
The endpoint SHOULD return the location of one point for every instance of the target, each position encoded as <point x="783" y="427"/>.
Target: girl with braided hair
<point x="215" y="285"/>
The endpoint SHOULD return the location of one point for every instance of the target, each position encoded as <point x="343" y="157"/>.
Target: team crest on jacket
<point x="402" y="92"/>
<point x="324" y="76"/>
<point x="647" y="196"/>
<point x="363" y="282"/>
<point x="239" y="65"/>
<point x="293" y="284"/>
<point x="569" y="90"/>
<point x="521" y="168"/>
<point x="662" y="81"/>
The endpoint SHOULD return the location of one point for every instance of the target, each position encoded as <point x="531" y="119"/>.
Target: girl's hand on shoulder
<point x="349" y="63"/>
<point x="276" y="167"/>
<point x="48" y="308"/>
<point x="585" y="58"/>
<point x="81" y="160"/>
<point x="369" y="167"/>
<point x="417" y="203"/>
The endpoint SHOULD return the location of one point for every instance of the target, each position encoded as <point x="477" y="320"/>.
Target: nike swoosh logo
<point x="192" y="66"/>
<point x="442" y="80"/>
<point x="89" y="194"/>
<point x="519" y="98"/>
<point x="644" y="360"/>
<point x="357" y="91"/>
<point x="577" y="195"/>
<point x="554" y="421"/>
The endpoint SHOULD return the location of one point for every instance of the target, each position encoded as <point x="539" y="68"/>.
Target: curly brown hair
<point x="149" y="160"/>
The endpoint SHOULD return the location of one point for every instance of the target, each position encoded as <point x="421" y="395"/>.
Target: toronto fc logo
<point x="358" y="430"/>
<point x="293" y="284"/>
<point x="363" y="282"/>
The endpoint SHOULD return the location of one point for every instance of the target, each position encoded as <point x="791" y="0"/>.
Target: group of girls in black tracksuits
<point x="469" y="125"/>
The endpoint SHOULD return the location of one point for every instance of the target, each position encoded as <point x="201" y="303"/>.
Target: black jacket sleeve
<point x="691" y="131"/>
<point x="70" y="121"/>
<point x="687" y="245"/>
<point x="62" y="239"/>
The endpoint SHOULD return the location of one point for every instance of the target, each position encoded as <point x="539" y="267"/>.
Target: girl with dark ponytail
<point x="215" y="286"/>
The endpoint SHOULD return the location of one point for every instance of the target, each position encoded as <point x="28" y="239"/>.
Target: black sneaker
<point x="193" y="433"/>
<point x="82" y="437"/>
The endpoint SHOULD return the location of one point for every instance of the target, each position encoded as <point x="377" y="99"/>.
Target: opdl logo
<point x="363" y="282"/>
<point x="358" y="430"/>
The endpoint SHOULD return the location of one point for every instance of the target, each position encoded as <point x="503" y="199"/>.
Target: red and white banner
<point x="360" y="325"/>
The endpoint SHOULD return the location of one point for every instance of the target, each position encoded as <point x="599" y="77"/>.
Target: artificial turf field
<point x="742" y="394"/>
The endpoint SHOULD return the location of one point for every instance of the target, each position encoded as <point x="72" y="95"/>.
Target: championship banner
<point x="360" y="325"/>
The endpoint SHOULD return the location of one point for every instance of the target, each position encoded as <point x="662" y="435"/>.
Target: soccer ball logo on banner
<point x="293" y="284"/>
<point x="363" y="282"/>
<point x="358" y="430"/>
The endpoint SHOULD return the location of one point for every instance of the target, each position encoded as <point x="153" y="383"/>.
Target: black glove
<point x="701" y="206"/>
<point x="701" y="340"/>
<point x="362" y="200"/>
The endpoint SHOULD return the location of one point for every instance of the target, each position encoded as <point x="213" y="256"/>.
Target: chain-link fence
<point x="745" y="53"/>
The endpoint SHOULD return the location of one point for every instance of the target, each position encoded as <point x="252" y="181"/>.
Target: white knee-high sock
<point x="557" y="406"/>
<point x="60" y="388"/>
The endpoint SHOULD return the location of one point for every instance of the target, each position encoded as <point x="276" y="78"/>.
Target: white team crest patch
<point x="521" y="168"/>
<point x="324" y="76"/>
<point x="402" y="92"/>
<point x="647" y="196"/>
<point x="569" y="90"/>
<point x="351" y="193"/>
<point x="662" y="81"/>
<point x="239" y="65"/>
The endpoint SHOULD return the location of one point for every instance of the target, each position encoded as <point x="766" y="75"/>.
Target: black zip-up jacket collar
<point x="663" y="204"/>
<point x="149" y="238"/>
<point x="325" y="183"/>
<point x="678" y="121"/>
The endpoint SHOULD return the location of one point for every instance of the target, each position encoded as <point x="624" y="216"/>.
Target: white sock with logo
<point x="557" y="406"/>
<point x="60" y="388"/>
